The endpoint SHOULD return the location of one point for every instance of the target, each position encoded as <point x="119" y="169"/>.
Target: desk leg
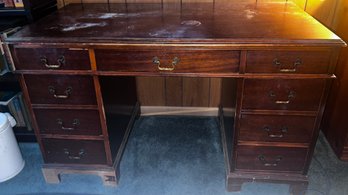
<point x="235" y="184"/>
<point x="52" y="174"/>
<point x="298" y="188"/>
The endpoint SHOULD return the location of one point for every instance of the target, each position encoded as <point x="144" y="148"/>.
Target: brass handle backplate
<point x="78" y="156"/>
<point x="60" y="62"/>
<point x="76" y="122"/>
<point x="277" y="63"/>
<point x="291" y="95"/>
<point x="157" y="62"/>
<point x="283" y="131"/>
<point x="263" y="160"/>
<point x="67" y="92"/>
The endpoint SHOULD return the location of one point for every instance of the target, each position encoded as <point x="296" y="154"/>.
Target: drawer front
<point x="300" y="62"/>
<point x="180" y="61"/>
<point x="51" y="59"/>
<point x="283" y="94"/>
<point x="53" y="89"/>
<point x="74" y="151"/>
<point x="270" y="158"/>
<point x="276" y="128"/>
<point x="68" y="122"/>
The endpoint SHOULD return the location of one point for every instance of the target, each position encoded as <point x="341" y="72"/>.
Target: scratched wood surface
<point x="191" y="23"/>
<point x="170" y="91"/>
<point x="175" y="92"/>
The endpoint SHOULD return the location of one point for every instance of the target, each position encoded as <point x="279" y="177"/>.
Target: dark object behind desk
<point x="12" y="17"/>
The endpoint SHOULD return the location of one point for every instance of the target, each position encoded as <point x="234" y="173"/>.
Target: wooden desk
<point x="77" y="70"/>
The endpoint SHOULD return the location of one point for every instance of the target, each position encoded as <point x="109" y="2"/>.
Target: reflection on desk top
<point x="226" y="22"/>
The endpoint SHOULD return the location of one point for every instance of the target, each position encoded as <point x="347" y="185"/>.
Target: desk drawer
<point x="51" y="59"/>
<point x="283" y="94"/>
<point x="180" y="61"/>
<point x="276" y="128"/>
<point x="300" y="62"/>
<point x="74" y="151"/>
<point x="271" y="158"/>
<point x="68" y="122"/>
<point x="54" y="89"/>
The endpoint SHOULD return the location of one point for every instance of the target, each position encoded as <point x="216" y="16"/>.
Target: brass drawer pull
<point x="291" y="95"/>
<point x="60" y="61"/>
<point x="277" y="63"/>
<point x="282" y="102"/>
<point x="157" y="62"/>
<point x="76" y="122"/>
<point x="283" y="130"/>
<point x="79" y="156"/>
<point x="263" y="160"/>
<point x="66" y="94"/>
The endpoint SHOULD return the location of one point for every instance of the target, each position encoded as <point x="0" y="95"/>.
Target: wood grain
<point x="151" y="91"/>
<point x="212" y="24"/>
<point x="43" y="89"/>
<point x="190" y="61"/>
<point x="88" y="121"/>
<point x="300" y="3"/>
<point x="324" y="11"/>
<point x="283" y="94"/>
<point x="203" y="30"/>
<point x="276" y="128"/>
<point x="339" y="24"/>
<point x="292" y="159"/>
<point x="196" y="92"/>
<point x="74" y="151"/>
<point x="334" y="123"/>
<point x="31" y="59"/>
<point x="290" y="62"/>
<point x="215" y="92"/>
<point x="168" y="59"/>
<point x="179" y="91"/>
<point x="174" y="91"/>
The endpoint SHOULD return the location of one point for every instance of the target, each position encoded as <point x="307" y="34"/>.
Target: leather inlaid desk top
<point x="246" y="22"/>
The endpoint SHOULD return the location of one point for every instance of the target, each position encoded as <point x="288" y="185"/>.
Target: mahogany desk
<point x="78" y="69"/>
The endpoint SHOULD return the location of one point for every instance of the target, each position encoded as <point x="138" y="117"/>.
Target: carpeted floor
<point x="174" y="155"/>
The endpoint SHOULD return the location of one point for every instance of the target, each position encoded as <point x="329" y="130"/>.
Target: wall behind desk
<point x="334" y="123"/>
<point x="334" y="14"/>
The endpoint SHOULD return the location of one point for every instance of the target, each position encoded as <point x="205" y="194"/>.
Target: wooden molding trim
<point x="182" y="111"/>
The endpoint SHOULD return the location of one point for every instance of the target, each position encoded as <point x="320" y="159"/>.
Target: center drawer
<point x="68" y="121"/>
<point x="179" y="61"/>
<point x="57" y="89"/>
<point x="283" y="94"/>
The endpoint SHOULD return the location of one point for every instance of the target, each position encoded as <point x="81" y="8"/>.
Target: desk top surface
<point x="246" y="22"/>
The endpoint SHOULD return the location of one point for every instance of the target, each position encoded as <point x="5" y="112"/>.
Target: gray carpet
<point x="174" y="155"/>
